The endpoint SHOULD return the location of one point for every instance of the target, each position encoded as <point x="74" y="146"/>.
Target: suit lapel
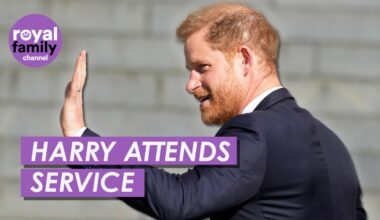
<point x="273" y="98"/>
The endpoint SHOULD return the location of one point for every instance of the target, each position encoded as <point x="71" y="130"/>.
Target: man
<point x="290" y="165"/>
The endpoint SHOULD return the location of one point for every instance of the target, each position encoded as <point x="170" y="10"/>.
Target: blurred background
<point x="329" y="61"/>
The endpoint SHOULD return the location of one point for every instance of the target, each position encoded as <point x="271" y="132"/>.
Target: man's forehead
<point x="196" y="45"/>
<point x="200" y="54"/>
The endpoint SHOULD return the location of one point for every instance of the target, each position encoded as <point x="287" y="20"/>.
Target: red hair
<point x="231" y="25"/>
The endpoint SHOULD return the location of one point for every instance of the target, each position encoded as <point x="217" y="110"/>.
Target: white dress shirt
<point x="256" y="101"/>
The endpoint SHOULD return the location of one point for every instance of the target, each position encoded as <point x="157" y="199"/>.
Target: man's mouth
<point x="204" y="98"/>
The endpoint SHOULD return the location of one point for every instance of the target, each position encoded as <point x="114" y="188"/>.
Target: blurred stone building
<point x="330" y="61"/>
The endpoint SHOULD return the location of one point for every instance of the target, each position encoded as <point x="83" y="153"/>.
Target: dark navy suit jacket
<point x="291" y="167"/>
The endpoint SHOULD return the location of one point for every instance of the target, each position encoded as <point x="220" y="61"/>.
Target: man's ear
<point x="247" y="59"/>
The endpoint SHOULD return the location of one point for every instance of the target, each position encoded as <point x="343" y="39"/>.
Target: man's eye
<point x="203" y="68"/>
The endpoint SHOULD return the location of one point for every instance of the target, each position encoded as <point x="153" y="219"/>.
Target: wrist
<point x="74" y="132"/>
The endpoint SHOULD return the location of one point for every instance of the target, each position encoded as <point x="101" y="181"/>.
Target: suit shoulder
<point x="250" y="122"/>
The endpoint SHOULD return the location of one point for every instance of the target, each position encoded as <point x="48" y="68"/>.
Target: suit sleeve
<point x="205" y="190"/>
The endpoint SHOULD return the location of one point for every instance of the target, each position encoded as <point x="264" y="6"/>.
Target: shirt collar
<point x="256" y="101"/>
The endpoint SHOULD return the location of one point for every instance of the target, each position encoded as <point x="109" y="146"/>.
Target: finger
<point x="84" y="69"/>
<point x="75" y="81"/>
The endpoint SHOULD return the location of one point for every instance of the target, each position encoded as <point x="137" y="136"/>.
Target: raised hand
<point x="72" y="117"/>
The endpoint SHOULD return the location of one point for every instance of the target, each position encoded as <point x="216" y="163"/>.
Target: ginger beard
<point x="221" y="101"/>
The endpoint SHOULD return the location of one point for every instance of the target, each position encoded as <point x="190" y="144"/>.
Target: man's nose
<point x="194" y="82"/>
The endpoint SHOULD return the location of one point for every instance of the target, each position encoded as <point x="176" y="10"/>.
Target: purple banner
<point x="82" y="183"/>
<point x="129" y="150"/>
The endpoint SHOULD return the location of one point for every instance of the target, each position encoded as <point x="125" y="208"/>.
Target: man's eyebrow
<point x="195" y="63"/>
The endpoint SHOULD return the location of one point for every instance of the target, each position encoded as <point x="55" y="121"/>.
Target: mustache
<point x="201" y="93"/>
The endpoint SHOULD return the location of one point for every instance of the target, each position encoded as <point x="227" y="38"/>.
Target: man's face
<point x="213" y="81"/>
